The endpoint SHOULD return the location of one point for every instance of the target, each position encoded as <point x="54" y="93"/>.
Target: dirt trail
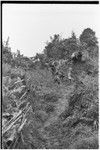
<point x="61" y="105"/>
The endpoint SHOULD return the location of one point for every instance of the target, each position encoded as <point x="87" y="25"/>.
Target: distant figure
<point x="23" y="78"/>
<point x="69" y="74"/>
<point x="57" y="79"/>
<point x="76" y="57"/>
<point x="95" y="124"/>
<point x="53" y="68"/>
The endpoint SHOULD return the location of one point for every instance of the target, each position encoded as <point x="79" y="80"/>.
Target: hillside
<point x="50" y="101"/>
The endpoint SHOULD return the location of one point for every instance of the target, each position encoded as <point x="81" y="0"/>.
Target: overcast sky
<point x="30" y="26"/>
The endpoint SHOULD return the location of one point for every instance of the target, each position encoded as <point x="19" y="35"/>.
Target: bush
<point x="88" y="37"/>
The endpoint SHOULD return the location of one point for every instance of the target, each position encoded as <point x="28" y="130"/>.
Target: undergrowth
<point x="39" y="113"/>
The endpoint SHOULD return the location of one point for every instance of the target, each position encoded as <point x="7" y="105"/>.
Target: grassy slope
<point x="55" y="120"/>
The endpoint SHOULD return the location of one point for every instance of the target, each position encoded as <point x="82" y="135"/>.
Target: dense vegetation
<point x="44" y="109"/>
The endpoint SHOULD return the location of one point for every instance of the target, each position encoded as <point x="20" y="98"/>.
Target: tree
<point x="52" y="49"/>
<point x="6" y="52"/>
<point x="71" y="45"/>
<point x="88" y="37"/>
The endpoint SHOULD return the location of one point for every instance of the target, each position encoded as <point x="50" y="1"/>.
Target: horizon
<point x="30" y="26"/>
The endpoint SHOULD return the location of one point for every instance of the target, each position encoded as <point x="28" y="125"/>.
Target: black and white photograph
<point x="50" y="75"/>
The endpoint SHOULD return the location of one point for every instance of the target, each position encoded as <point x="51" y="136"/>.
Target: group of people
<point x="56" y="66"/>
<point x="56" y="71"/>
